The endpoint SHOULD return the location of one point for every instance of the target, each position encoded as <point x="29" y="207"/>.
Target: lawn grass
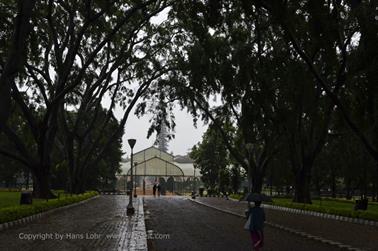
<point x="8" y="199"/>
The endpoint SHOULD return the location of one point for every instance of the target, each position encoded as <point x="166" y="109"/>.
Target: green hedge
<point x="329" y="210"/>
<point x="16" y="212"/>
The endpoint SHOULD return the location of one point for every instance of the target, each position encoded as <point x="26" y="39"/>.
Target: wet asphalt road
<point x="179" y="224"/>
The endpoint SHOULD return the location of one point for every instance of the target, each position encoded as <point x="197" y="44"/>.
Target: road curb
<point x="112" y="193"/>
<point x="287" y="229"/>
<point x="28" y="219"/>
<point x="138" y="240"/>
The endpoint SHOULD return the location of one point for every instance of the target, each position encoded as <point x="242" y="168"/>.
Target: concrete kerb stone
<point x="28" y="219"/>
<point x="139" y="233"/>
<point x="290" y="230"/>
<point x="112" y="193"/>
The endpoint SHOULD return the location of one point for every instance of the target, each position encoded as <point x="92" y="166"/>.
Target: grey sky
<point x="186" y="135"/>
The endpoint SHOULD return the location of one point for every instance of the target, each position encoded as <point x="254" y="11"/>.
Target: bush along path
<point x="21" y="214"/>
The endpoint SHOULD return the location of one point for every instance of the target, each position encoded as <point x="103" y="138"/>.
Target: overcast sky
<point x="186" y="135"/>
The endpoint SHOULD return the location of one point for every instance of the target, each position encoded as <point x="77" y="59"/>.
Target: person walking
<point x="158" y="189"/>
<point x="154" y="190"/>
<point x="256" y="225"/>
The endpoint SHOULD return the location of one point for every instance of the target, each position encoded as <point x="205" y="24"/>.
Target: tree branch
<point x="16" y="57"/>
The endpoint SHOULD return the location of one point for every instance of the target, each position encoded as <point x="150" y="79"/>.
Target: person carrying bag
<point x="255" y="224"/>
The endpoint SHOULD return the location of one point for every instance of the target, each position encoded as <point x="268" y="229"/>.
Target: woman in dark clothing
<point x="154" y="190"/>
<point x="256" y="226"/>
<point x="158" y="187"/>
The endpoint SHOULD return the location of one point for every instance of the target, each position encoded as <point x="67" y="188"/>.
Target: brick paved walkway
<point x="99" y="224"/>
<point x="356" y="235"/>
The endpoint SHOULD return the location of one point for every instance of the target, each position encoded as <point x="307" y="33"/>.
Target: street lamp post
<point x="194" y="183"/>
<point x="130" y="208"/>
<point x="125" y="184"/>
<point x="135" y="182"/>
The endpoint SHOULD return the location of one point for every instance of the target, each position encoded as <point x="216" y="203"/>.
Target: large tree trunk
<point x="76" y="172"/>
<point x="301" y="167"/>
<point x="317" y="187"/>
<point x="76" y="187"/>
<point x="71" y="164"/>
<point x="348" y="189"/>
<point x="333" y="184"/>
<point x="257" y="176"/>
<point x="257" y="182"/>
<point x="302" y="184"/>
<point x="79" y="181"/>
<point x="82" y="184"/>
<point x="41" y="183"/>
<point x="76" y="184"/>
<point x="71" y="178"/>
<point x="376" y="187"/>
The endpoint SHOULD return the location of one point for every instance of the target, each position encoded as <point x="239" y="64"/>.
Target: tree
<point x="236" y="177"/>
<point x="102" y="174"/>
<point x="71" y="39"/>
<point x="12" y="63"/>
<point x="211" y="157"/>
<point x="307" y="117"/>
<point x="10" y="168"/>
<point x="281" y="177"/>
<point x="224" y="60"/>
<point x="162" y="138"/>
<point x="356" y="165"/>
<point x="91" y="160"/>
<point x="347" y="33"/>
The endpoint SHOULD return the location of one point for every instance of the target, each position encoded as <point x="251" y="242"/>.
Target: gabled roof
<point x="154" y="161"/>
<point x="154" y="147"/>
<point x="155" y="166"/>
<point x="152" y="152"/>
